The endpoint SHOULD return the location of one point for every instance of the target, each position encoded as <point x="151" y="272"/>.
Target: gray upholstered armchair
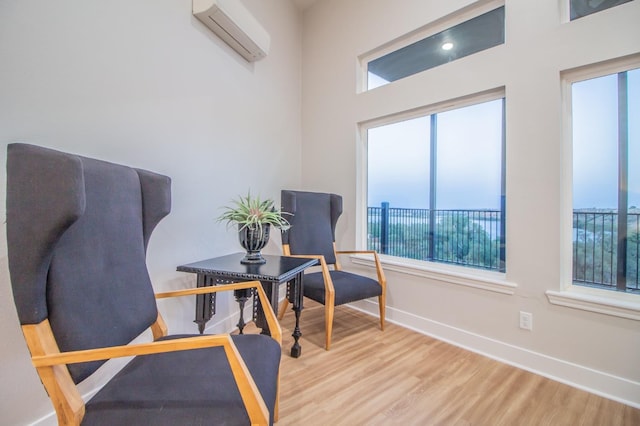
<point x="77" y="234"/>
<point x="313" y="234"/>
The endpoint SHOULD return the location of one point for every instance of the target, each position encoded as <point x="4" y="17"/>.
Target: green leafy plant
<point x="253" y="213"/>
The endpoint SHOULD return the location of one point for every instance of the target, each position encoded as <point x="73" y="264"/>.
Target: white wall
<point x="589" y="350"/>
<point x="145" y="84"/>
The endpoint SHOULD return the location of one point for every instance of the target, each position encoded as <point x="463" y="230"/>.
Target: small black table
<point x="228" y="269"/>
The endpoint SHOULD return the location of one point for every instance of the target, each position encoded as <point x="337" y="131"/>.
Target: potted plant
<point x="253" y="218"/>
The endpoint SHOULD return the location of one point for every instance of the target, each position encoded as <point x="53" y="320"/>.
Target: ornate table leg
<point x="271" y="290"/>
<point x="295" y="295"/>
<point x="241" y="298"/>
<point x="205" y="303"/>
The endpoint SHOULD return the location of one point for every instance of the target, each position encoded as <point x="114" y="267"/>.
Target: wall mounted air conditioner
<point x="234" y="24"/>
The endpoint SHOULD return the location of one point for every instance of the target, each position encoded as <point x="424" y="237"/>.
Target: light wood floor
<point x="399" y="377"/>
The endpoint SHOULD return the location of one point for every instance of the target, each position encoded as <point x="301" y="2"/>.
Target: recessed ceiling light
<point x="447" y="46"/>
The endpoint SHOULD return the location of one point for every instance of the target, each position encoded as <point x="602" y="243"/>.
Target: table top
<point x="277" y="268"/>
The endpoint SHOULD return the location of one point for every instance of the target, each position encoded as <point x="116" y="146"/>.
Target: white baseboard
<point x="578" y="376"/>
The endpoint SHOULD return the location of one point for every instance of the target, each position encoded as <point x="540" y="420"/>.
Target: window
<point x="580" y="8"/>
<point x="435" y="186"/>
<point x="479" y="33"/>
<point x="606" y="181"/>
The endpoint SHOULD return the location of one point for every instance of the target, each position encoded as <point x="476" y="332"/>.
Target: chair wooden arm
<point x="329" y="292"/>
<point x="256" y="408"/>
<point x="274" y="325"/>
<point x="328" y="282"/>
<point x="356" y="251"/>
<point x="381" y="277"/>
<point x="87" y="355"/>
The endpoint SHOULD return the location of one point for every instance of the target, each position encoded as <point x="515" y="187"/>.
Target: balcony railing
<point x="472" y="238"/>
<point x="475" y="238"/>
<point x="595" y="250"/>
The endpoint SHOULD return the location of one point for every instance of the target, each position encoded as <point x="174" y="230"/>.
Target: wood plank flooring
<point x="399" y="377"/>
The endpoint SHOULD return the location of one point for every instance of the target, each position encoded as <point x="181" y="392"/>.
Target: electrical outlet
<point x="526" y="320"/>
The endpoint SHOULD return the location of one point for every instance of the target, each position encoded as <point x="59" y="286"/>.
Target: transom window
<point x="580" y="8"/>
<point x="484" y="30"/>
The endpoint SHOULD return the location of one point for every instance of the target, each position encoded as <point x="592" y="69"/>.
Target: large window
<point x="606" y="181"/>
<point x="435" y="185"/>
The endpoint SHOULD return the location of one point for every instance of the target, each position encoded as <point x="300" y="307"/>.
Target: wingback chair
<point x="312" y="234"/>
<point x="77" y="235"/>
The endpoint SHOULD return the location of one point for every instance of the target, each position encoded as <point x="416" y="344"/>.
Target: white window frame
<point x="565" y="10"/>
<point x="441" y="24"/>
<point x="603" y="301"/>
<point x="460" y="275"/>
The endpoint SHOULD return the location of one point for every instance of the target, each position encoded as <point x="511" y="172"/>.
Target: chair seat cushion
<point x="193" y="387"/>
<point x="348" y="287"/>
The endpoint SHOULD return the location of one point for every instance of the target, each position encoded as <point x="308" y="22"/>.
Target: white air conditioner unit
<point x="234" y="24"/>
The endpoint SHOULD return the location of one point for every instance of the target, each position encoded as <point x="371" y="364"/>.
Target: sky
<point x="595" y="139"/>
<point x="469" y="152"/>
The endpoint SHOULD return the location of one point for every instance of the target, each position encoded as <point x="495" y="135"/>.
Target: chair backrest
<point x="77" y="234"/>
<point x="313" y="222"/>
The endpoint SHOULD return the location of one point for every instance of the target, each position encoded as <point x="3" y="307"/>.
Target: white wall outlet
<point x="526" y="320"/>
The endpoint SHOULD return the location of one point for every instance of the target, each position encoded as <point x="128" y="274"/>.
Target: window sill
<point x="601" y="301"/>
<point x="485" y="280"/>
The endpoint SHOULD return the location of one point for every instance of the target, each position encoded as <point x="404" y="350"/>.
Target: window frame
<point x="471" y="277"/>
<point x="605" y="301"/>
<point x="567" y="10"/>
<point x="457" y="17"/>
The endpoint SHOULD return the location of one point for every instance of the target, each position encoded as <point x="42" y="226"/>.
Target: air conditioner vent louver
<point x="234" y="24"/>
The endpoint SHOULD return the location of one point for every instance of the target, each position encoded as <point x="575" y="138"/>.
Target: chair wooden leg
<point x="328" y="323"/>
<point x="283" y="308"/>
<point x="382" y="306"/>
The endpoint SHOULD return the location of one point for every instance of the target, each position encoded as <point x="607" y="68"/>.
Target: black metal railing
<point x="475" y="238"/>
<point x="472" y="238"/>
<point x="596" y="246"/>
